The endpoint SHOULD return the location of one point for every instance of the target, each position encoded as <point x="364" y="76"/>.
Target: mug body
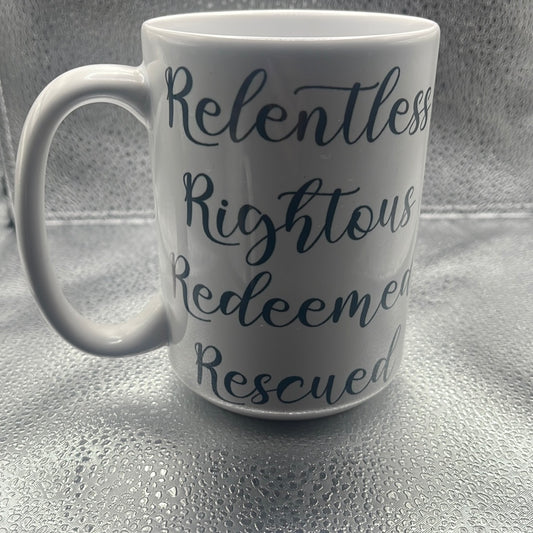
<point x="288" y="152"/>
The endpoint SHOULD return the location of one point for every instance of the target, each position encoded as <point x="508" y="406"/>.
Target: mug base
<point x="303" y="414"/>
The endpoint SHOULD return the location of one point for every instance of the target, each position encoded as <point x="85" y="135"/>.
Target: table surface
<point x="104" y="445"/>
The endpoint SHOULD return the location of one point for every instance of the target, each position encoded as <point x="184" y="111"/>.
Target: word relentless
<point x="205" y="119"/>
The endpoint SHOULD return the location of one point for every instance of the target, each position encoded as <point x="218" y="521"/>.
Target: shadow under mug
<point x="288" y="152"/>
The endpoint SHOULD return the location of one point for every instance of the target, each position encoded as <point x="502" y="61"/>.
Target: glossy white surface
<point x="288" y="179"/>
<point x="121" y="85"/>
<point x="291" y="24"/>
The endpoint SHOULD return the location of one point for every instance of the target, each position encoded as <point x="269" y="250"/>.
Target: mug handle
<point x="121" y="85"/>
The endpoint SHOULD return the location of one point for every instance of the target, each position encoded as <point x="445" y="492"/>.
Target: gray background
<point x="96" y="445"/>
<point x="480" y="156"/>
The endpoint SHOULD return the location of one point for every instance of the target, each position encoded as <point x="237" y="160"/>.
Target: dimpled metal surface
<point x="101" y="444"/>
<point x="92" y="444"/>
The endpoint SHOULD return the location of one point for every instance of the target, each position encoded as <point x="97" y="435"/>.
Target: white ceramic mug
<point x="288" y="152"/>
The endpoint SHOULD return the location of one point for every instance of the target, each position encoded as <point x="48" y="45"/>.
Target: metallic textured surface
<point x="112" y="445"/>
<point x="480" y="156"/>
<point x="102" y="445"/>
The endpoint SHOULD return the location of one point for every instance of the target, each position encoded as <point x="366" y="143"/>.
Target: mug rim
<point x="408" y="26"/>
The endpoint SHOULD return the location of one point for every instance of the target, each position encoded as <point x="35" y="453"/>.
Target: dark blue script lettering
<point x="323" y="225"/>
<point x="237" y="388"/>
<point x="254" y="303"/>
<point x="205" y="119"/>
